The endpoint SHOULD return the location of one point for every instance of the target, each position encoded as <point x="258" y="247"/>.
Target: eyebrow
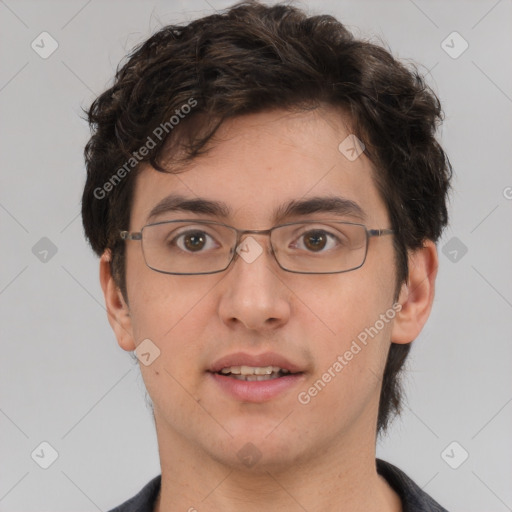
<point x="318" y="204"/>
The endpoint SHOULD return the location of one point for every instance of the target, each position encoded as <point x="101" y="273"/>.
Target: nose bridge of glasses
<point x="245" y="242"/>
<point x="244" y="233"/>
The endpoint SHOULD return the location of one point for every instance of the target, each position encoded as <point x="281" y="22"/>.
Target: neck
<point x="342" y="478"/>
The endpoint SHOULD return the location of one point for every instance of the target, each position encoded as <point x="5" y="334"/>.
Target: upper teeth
<point x="253" y="370"/>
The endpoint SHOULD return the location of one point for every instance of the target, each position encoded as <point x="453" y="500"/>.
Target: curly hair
<point x="253" y="58"/>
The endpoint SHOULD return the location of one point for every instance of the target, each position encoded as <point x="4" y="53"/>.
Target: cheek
<point x="166" y="307"/>
<point x="175" y="313"/>
<point x="346" y="304"/>
<point x="159" y="302"/>
<point x="351" y="342"/>
<point x="172" y="313"/>
<point x="347" y="377"/>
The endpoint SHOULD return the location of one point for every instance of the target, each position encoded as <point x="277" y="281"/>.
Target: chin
<point x="257" y="457"/>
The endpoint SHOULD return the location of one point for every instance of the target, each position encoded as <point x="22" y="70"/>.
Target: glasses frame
<point x="138" y="235"/>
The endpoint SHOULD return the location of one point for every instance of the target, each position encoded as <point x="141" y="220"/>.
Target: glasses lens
<point x="184" y="247"/>
<point x="320" y="247"/>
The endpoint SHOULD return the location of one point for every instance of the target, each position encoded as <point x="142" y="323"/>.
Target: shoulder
<point x="414" y="499"/>
<point x="144" y="501"/>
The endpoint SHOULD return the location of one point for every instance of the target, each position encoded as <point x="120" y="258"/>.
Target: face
<point x="258" y="315"/>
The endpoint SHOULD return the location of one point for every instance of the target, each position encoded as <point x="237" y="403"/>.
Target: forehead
<point x="266" y="167"/>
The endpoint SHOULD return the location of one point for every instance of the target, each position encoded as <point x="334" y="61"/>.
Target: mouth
<point x="254" y="373"/>
<point x="255" y="378"/>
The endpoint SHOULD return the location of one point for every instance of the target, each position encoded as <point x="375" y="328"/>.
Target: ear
<point x="117" y="310"/>
<point x="417" y="294"/>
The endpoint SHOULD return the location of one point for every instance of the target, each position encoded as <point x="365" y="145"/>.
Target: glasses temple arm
<point x="126" y="235"/>
<point x="380" y="232"/>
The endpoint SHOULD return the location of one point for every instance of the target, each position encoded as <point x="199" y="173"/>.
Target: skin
<point x="319" y="456"/>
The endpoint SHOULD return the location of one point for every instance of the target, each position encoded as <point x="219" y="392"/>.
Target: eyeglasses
<point x="189" y="246"/>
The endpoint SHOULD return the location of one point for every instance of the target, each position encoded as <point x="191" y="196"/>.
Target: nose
<point x="253" y="293"/>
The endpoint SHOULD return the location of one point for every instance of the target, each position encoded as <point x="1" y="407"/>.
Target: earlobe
<point x="417" y="294"/>
<point x="118" y="311"/>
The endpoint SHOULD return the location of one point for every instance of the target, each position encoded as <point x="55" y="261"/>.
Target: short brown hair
<point x="254" y="58"/>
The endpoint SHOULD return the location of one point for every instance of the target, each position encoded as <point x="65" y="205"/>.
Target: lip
<point x="255" y="391"/>
<point x="244" y="359"/>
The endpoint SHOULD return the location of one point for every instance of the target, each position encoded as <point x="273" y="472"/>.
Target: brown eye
<point x="194" y="241"/>
<point x="315" y="240"/>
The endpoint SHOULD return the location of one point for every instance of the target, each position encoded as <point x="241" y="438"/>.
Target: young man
<point x="265" y="192"/>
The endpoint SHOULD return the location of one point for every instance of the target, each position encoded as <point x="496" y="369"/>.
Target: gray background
<point x="63" y="378"/>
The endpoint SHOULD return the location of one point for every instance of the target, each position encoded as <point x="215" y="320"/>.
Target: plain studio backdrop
<point x="64" y="380"/>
